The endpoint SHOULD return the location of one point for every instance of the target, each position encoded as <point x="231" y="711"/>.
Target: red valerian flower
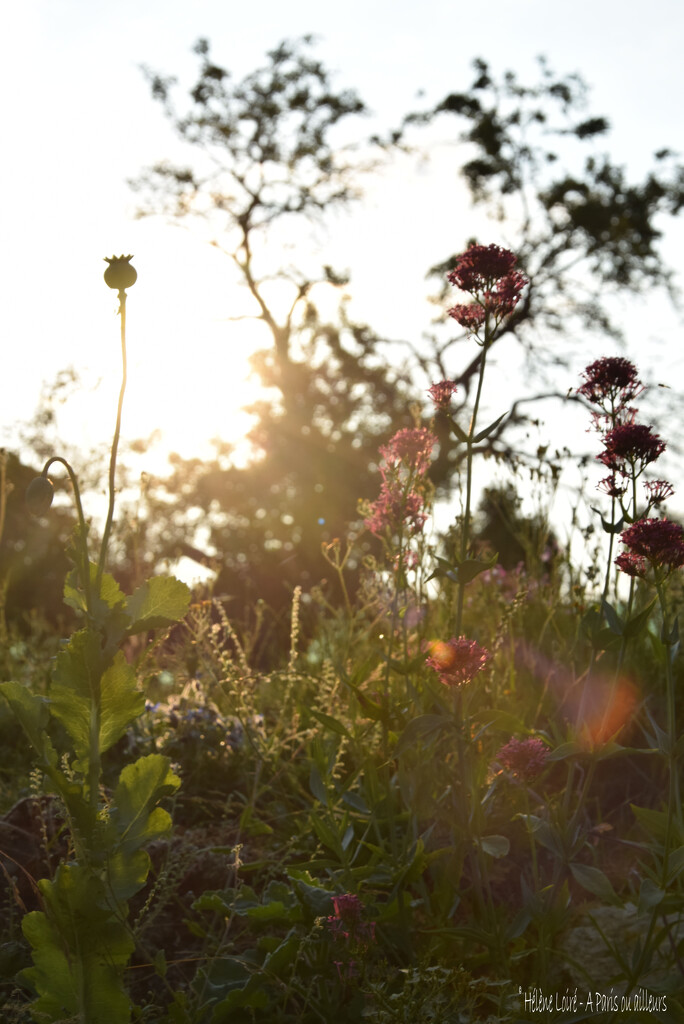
<point x="347" y="922"/>
<point x="471" y="316"/>
<point x="658" y="491"/>
<point x="480" y="267"/>
<point x="631" y="564"/>
<point x="526" y="759"/>
<point x="659" y="541"/>
<point x="611" y="379"/>
<point x="611" y="487"/>
<point x="441" y="393"/>
<point x="457" y="661"/>
<point x="630" y="443"/>
<point x="413" y="447"/>
<point x="393" y="507"/>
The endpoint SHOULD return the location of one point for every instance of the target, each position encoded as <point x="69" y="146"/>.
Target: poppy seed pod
<point x="120" y="274"/>
<point x="39" y="495"/>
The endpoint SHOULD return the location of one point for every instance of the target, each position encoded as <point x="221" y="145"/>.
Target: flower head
<point x="412" y="446"/>
<point x="526" y="759"/>
<point x="480" y="267"/>
<point x="658" y="542"/>
<point x="658" y="491"/>
<point x="471" y="315"/>
<point x="630" y="443"/>
<point x="120" y="274"/>
<point x="457" y="661"/>
<point x="441" y="393"/>
<point x="394" y="507"/>
<point x="611" y="379"/>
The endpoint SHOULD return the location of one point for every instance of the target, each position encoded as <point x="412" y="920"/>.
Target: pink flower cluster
<point x="526" y="759"/>
<point x="400" y="503"/>
<point x="347" y="922"/>
<point x="654" y="543"/>
<point x="441" y="393"/>
<point x="629" y="447"/>
<point x="457" y="661"/>
<point x="487" y="273"/>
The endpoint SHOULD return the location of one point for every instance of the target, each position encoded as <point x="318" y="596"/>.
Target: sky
<point x="79" y="121"/>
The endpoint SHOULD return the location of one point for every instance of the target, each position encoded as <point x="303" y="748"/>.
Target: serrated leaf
<point x="79" y="959"/>
<point x="134" y="817"/>
<point x="159" y="602"/>
<point x="596" y="882"/>
<point x="120" y="701"/>
<point x="32" y="713"/>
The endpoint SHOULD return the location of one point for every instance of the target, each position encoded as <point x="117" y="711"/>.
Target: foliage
<point x="459" y="797"/>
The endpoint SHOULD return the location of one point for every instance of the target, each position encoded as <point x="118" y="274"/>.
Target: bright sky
<point x="78" y="121"/>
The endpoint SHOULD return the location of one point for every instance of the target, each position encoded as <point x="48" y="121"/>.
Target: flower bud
<point x="39" y="495"/>
<point x="120" y="274"/>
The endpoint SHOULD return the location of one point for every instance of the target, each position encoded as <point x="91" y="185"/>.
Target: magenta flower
<point x="441" y="393"/>
<point x="471" y="316"/>
<point x="393" y="508"/>
<point x="413" y="447"/>
<point x="526" y="759"/>
<point x="478" y="269"/>
<point x="659" y="542"/>
<point x="658" y="491"/>
<point x="347" y="922"/>
<point x="457" y="661"/>
<point x="611" y="379"/>
<point x="630" y="443"/>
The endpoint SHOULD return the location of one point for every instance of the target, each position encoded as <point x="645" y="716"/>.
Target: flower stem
<point x="115" y="445"/>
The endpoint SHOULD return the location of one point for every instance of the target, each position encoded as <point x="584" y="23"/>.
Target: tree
<point x="265" y="161"/>
<point x="581" y="230"/>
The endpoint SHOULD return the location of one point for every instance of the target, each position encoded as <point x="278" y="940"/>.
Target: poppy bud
<point x="39" y="495"/>
<point x="120" y="274"/>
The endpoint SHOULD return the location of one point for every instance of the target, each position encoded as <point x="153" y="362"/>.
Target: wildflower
<point x="630" y="443"/>
<point x="471" y="316"/>
<point x="659" y="541"/>
<point x="611" y="379"/>
<point x="480" y="267"/>
<point x="457" y="661"/>
<point x="347" y="922"/>
<point x="120" y="274"/>
<point x="441" y="393"/>
<point x="658" y="491"/>
<point x="413" y="447"/>
<point x="526" y="759"/>
<point x="611" y="487"/>
<point x="393" y="508"/>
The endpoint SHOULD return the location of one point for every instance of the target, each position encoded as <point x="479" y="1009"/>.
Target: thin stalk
<point x="83" y="529"/>
<point x="465" y="531"/>
<point x="115" y="445"/>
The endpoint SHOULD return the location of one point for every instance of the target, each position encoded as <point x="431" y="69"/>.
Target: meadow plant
<point x="82" y="939"/>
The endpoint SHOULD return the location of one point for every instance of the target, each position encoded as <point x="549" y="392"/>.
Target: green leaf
<point x="316" y="785"/>
<point x="80" y="949"/>
<point x="33" y="714"/>
<point x="482" y="434"/>
<point x="120" y="701"/>
<point x="419" y="729"/>
<point x="459" y="432"/>
<point x="595" y="882"/>
<point x="330" y="723"/>
<point x="615" y="623"/>
<point x="653" y="822"/>
<point x="133" y="816"/>
<point x="638" y="622"/>
<point x="75" y="689"/>
<point x="495" y="846"/>
<point x="159" y="602"/>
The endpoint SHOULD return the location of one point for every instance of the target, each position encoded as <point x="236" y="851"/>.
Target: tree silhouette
<point x="268" y="157"/>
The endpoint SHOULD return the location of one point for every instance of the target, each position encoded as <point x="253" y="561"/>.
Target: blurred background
<point x="413" y="151"/>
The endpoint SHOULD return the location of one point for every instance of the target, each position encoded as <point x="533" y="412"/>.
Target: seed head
<point x="120" y="274"/>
